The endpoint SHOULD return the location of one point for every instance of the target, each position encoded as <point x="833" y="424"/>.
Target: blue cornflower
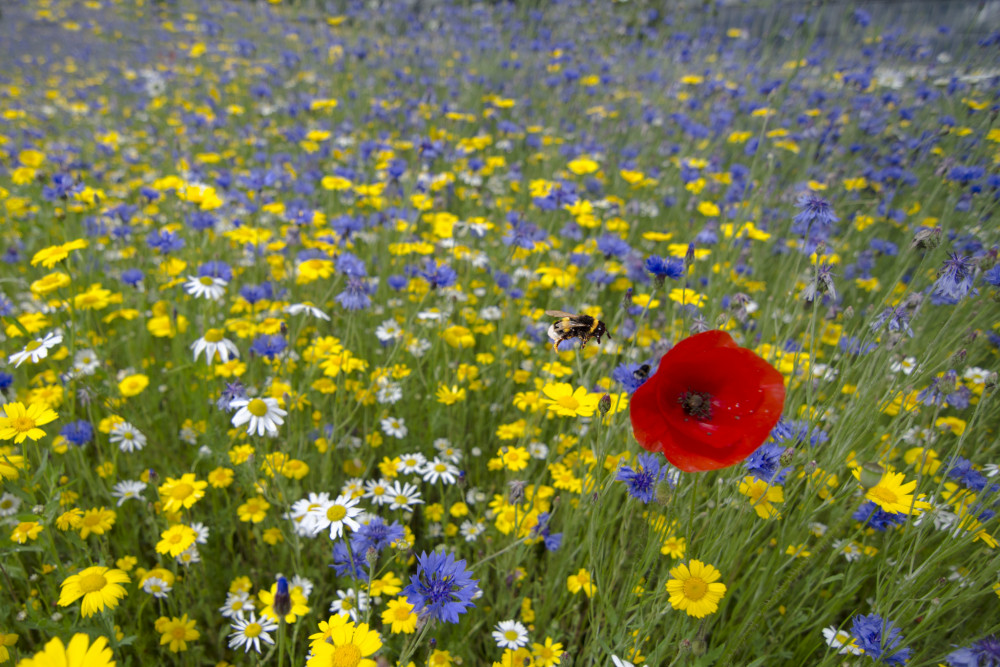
<point x="269" y="346"/>
<point x="397" y="282"/>
<point x="216" y="269"/>
<point x="632" y="376"/>
<point x="351" y="265"/>
<point x="344" y="561"/>
<point x="233" y="391"/>
<point x="641" y="482"/>
<point x="438" y="275"/>
<point x="897" y="317"/>
<point x="355" y="295"/>
<point x="852" y="345"/>
<point x="78" y="433"/>
<point x="962" y="470"/>
<point x="6" y="380"/>
<point x="442" y="588"/>
<point x="164" y="242"/>
<point x="661" y="268"/>
<point x="875" y="517"/>
<point x="255" y="293"/>
<point x="992" y="277"/>
<point x="983" y="653"/>
<point x="814" y="218"/>
<point x="877" y="637"/>
<point x="613" y="246"/>
<point x="541" y="529"/>
<point x="376" y="534"/>
<point x="954" y="281"/>
<point x="132" y="277"/>
<point x="765" y="464"/>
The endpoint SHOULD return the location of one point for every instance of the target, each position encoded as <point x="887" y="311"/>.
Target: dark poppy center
<point x="697" y="404"/>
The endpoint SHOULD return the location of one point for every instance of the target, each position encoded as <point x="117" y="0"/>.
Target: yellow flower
<point x="565" y="401"/>
<point x="253" y="510"/>
<point x="349" y="646"/>
<point x="21" y="423"/>
<point x="221" y="477"/>
<point x="7" y="639"/>
<point x="96" y="521"/>
<point x="176" y="632"/>
<point x="514" y="458"/>
<point x="133" y="385"/>
<point x="450" y="396"/>
<point x="762" y="495"/>
<point x="548" y="654"/>
<point x="180" y="493"/>
<point x="49" y="257"/>
<point x="582" y="166"/>
<point x="581" y="582"/>
<point x="176" y="539"/>
<point x="10" y="464"/>
<point x="400" y="616"/>
<point x="458" y="336"/>
<point x="99" y="587"/>
<point x="892" y="495"/>
<point x="695" y="589"/>
<point x="24" y="531"/>
<point x="78" y="653"/>
<point x="673" y="546"/>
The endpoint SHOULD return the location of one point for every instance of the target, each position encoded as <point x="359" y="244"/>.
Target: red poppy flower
<point x="709" y="405"/>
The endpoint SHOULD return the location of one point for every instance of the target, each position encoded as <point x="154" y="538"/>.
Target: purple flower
<point x="442" y="588"/>
<point x="765" y="464"/>
<point x="983" y="653"/>
<point x="78" y="433"/>
<point x="355" y="295"/>
<point x="642" y="480"/>
<point x="665" y="268"/>
<point x="814" y="218"/>
<point x="954" y="281"/>
<point x="878" y="637"/>
<point x="164" y="242"/>
<point x="269" y="346"/>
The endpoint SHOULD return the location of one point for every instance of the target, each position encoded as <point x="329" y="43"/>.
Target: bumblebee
<point x="570" y="326"/>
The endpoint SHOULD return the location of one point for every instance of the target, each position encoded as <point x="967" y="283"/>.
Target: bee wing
<point x="559" y="313"/>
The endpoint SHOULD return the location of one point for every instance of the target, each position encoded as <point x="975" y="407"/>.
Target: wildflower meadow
<point x="357" y="334"/>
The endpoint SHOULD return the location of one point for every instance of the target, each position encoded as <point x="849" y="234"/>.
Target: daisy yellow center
<point x="176" y="538"/>
<point x="346" y="604"/>
<point x="206" y="281"/>
<point x="91" y="519"/>
<point x="257" y="407"/>
<point x="181" y="491"/>
<point x="92" y="582"/>
<point x="213" y="335"/>
<point x="695" y="589"/>
<point x="252" y="630"/>
<point x="402" y="500"/>
<point x="32" y="346"/>
<point x="440" y="467"/>
<point x="510" y="635"/>
<point x="756" y="492"/>
<point x="179" y="632"/>
<point x="347" y="655"/>
<point x="401" y="613"/>
<point x="568" y="402"/>
<point x="336" y="513"/>
<point x="887" y="496"/>
<point x="22" y="424"/>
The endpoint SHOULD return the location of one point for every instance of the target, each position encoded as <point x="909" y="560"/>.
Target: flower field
<point x="536" y="334"/>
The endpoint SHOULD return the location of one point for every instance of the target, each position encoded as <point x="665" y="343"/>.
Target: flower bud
<point x="515" y="493"/>
<point x="787" y="456"/>
<point x="664" y="492"/>
<point x="282" y="599"/>
<point x="371" y="557"/>
<point x="871" y="474"/>
<point x="604" y="404"/>
<point x="926" y="238"/>
<point x="698" y="647"/>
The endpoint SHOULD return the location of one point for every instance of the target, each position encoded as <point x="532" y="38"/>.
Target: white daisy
<point x="36" y="350"/>
<point x="840" y="640"/>
<point x="212" y="343"/>
<point x="350" y="602"/>
<point x="446" y="450"/>
<point x="411" y="464"/>
<point x="300" y="508"/>
<point x="403" y="497"/>
<point x="538" y="450"/>
<point x="394" y="427"/>
<point x="388" y="331"/>
<point x="471" y="530"/>
<point x="510" y="634"/>
<point x="205" y="287"/>
<point x="189" y="556"/>
<point x="301" y="583"/>
<point x="262" y="413"/>
<point x="127" y="437"/>
<point x="9" y="504"/>
<point x="354" y="487"/>
<point x="333" y="514"/>
<point x="377" y="491"/>
<point x="156" y="587"/>
<point x="618" y="662"/>
<point x="85" y="362"/>
<point x="237" y="604"/>
<point x="308" y="308"/>
<point x="128" y="490"/>
<point x="250" y="632"/>
<point x="202" y="533"/>
<point x="437" y="470"/>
